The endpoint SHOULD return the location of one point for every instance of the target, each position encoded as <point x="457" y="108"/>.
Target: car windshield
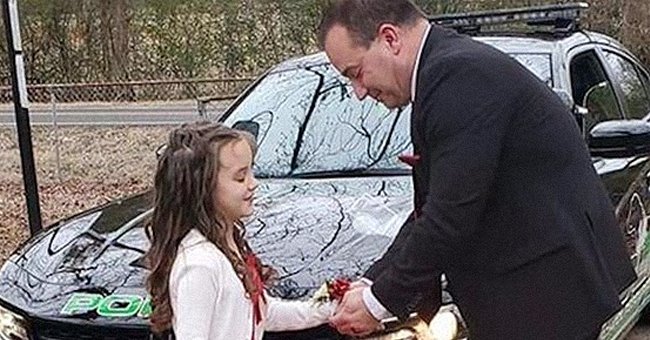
<point x="310" y="124"/>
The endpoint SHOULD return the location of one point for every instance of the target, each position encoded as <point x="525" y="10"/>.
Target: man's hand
<point x="352" y="316"/>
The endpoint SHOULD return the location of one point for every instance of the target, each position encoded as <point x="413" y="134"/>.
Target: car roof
<point x="544" y="43"/>
<point x="506" y="41"/>
<point x="310" y="60"/>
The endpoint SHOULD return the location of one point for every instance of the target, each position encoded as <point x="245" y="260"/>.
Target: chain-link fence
<point x="212" y="107"/>
<point x="133" y="91"/>
<point x="82" y="165"/>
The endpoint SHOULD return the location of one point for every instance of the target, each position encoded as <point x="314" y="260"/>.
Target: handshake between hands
<point x="351" y="316"/>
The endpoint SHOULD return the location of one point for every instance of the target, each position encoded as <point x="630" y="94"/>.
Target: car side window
<point x="635" y="97"/>
<point x="645" y="79"/>
<point x="592" y="89"/>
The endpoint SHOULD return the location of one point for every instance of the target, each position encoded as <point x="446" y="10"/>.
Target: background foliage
<point x="71" y="41"/>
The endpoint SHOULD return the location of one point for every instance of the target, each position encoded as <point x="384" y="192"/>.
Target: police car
<point x="332" y="191"/>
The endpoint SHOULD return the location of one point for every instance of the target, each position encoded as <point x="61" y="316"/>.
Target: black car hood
<point x="309" y="230"/>
<point x="96" y="252"/>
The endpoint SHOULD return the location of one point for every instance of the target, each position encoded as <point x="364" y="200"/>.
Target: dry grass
<point x="97" y="164"/>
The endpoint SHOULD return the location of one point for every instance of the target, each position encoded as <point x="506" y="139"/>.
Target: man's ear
<point x="390" y="35"/>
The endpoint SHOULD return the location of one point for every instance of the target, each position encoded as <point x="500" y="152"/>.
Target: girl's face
<point x="235" y="181"/>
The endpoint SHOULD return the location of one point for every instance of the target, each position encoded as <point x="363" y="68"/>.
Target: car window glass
<point x="645" y="79"/>
<point x="591" y="89"/>
<point x="538" y="64"/>
<point x="279" y="104"/>
<point x="635" y="98"/>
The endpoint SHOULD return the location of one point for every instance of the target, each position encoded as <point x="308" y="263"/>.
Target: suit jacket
<point x="508" y="204"/>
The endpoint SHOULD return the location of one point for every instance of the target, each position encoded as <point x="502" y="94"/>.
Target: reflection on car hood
<point x="95" y="252"/>
<point x="316" y="230"/>
<point x="309" y="230"/>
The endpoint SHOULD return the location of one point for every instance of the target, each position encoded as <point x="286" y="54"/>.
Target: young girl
<point x="205" y="281"/>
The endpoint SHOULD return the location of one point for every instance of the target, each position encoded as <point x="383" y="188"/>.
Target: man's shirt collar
<point x="414" y="75"/>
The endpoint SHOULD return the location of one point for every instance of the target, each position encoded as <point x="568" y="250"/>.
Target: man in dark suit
<point x="507" y="203"/>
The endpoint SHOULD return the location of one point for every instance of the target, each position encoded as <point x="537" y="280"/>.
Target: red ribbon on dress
<point x="253" y="265"/>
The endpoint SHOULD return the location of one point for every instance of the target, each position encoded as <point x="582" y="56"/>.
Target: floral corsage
<point x="331" y="291"/>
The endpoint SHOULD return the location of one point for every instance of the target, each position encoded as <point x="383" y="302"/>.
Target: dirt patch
<point x="77" y="168"/>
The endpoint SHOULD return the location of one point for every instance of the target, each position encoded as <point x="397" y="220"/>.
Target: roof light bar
<point x="562" y="16"/>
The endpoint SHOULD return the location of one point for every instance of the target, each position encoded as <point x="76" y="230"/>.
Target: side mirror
<point x="160" y="150"/>
<point x="619" y="139"/>
<point x="249" y="126"/>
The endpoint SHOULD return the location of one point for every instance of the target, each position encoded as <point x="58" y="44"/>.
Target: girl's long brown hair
<point x="184" y="199"/>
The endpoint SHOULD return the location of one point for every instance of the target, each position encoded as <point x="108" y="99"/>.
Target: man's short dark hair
<point x="362" y="18"/>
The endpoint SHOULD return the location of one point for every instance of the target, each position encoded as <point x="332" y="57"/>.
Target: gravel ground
<point x="96" y="165"/>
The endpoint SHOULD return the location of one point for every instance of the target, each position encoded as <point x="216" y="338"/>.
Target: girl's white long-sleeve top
<point x="209" y="301"/>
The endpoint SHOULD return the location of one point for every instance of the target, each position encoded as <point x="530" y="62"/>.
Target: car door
<point x="594" y="87"/>
<point x="630" y="181"/>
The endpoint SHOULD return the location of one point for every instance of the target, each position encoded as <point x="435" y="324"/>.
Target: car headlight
<point x="12" y="326"/>
<point x="444" y="325"/>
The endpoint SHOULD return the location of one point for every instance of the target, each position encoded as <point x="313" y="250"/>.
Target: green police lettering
<point x="119" y="306"/>
<point x="81" y="303"/>
<point x="145" y="310"/>
<point x="112" y="306"/>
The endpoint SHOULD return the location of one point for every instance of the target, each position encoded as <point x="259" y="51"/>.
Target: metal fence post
<point x="56" y="134"/>
<point x="200" y="105"/>
<point x="21" y="110"/>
